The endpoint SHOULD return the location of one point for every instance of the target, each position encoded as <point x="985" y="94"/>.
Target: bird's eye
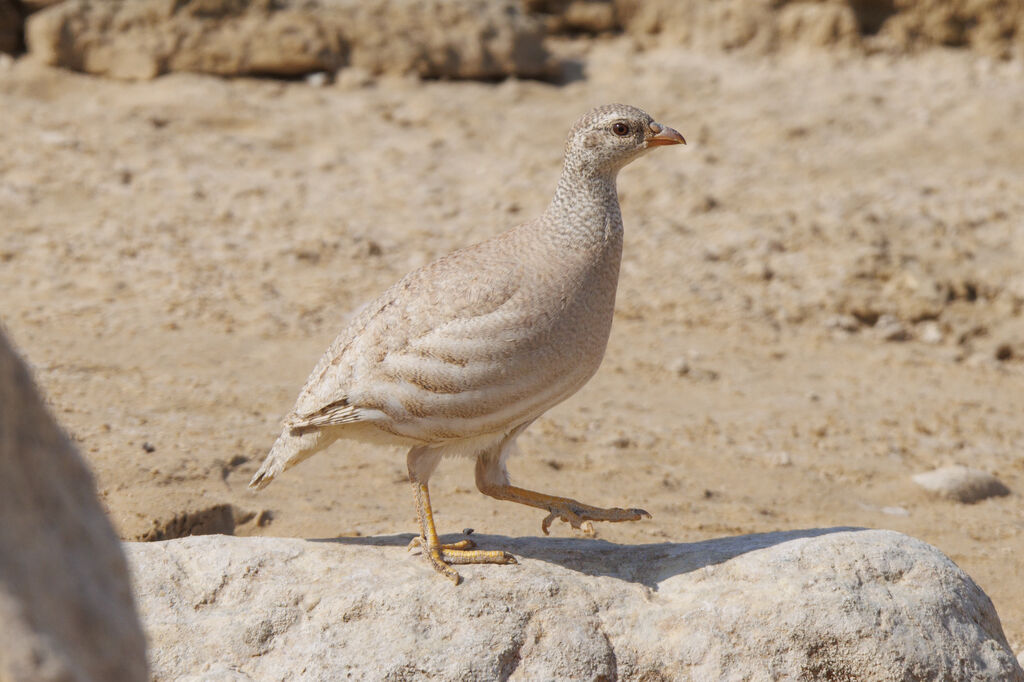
<point x="620" y="129"/>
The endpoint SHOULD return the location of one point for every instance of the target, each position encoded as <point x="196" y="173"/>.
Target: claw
<point x="441" y="567"/>
<point x="546" y="523"/>
<point x="583" y="520"/>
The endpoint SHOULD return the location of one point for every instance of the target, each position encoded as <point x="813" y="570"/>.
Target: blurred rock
<point x="318" y="79"/>
<point x="575" y="16"/>
<point x="778" y="458"/>
<point x="979" y="359"/>
<point x="895" y="511"/>
<point x="353" y="78"/>
<point x="846" y="323"/>
<point x="816" y="604"/>
<point x="817" y="24"/>
<point x="961" y="484"/>
<point x="754" y="25"/>
<point x="479" y="39"/>
<point x="931" y="332"/>
<point x="758" y="270"/>
<point x="10" y="27"/>
<point x="891" y="328"/>
<point x="722" y="25"/>
<point x="704" y="204"/>
<point x="65" y="601"/>
<point x="678" y="367"/>
<point x="139" y="39"/>
<point x="591" y="16"/>
<point x="993" y="27"/>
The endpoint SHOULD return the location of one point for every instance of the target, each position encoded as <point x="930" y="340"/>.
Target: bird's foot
<point x="442" y="556"/>
<point x="418" y="542"/>
<point x="581" y="516"/>
<point x="573" y="512"/>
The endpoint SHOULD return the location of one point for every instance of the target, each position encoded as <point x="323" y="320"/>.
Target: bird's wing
<point x="453" y="293"/>
<point x="332" y="414"/>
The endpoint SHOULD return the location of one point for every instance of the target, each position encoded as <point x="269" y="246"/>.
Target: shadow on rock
<point x="648" y="564"/>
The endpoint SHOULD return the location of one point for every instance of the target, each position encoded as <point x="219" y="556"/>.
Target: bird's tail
<point x="289" y="449"/>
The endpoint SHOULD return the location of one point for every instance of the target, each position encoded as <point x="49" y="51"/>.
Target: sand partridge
<point x="463" y="354"/>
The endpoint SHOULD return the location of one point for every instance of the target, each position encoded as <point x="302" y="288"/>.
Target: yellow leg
<point x="577" y="514"/>
<point x="461" y="544"/>
<point x="442" y="556"/>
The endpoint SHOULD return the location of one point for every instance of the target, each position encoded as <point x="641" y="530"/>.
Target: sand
<point x="821" y="295"/>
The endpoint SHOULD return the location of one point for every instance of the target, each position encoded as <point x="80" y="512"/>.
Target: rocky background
<point x="821" y="297"/>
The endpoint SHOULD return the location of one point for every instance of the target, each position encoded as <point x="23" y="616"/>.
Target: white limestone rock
<point x="816" y="604"/>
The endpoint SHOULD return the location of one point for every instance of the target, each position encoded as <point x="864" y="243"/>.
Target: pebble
<point x="895" y="511"/>
<point x="758" y="269"/>
<point x="620" y="442"/>
<point x="978" y="359"/>
<point x="679" y="367"/>
<point x="353" y="78"/>
<point x="778" y="458"/>
<point x="318" y="79"/>
<point x="682" y="367"/>
<point x="961" y="484"/>
<point x="891" y="328"/>
<point x="846" y="323"/>
<point x="931" y="333"/>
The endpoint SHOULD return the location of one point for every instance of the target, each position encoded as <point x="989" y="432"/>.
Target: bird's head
<point x="607" y="138"/>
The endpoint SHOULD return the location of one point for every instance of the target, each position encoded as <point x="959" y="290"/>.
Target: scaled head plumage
<point x="608" y="137"/>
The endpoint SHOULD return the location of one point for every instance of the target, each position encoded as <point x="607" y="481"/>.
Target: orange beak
<point x="664" y="136"/>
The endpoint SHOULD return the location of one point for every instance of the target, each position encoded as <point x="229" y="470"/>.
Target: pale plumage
<point x="463" y="354"/>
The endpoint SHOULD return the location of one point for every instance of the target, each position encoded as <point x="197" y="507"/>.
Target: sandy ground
<point x="820" y="296"/>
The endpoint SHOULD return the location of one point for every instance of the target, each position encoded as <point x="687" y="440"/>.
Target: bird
<point x="460" y="356"/>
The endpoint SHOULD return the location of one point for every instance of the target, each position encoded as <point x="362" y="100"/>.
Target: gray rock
<point x="139" y="39"/>
<point x="66" y="610"/>
<point x="817" y="604"/>
<point x="961" y="483"/>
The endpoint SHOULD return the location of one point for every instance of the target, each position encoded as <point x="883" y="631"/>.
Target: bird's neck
<point x="584" y="212"/>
